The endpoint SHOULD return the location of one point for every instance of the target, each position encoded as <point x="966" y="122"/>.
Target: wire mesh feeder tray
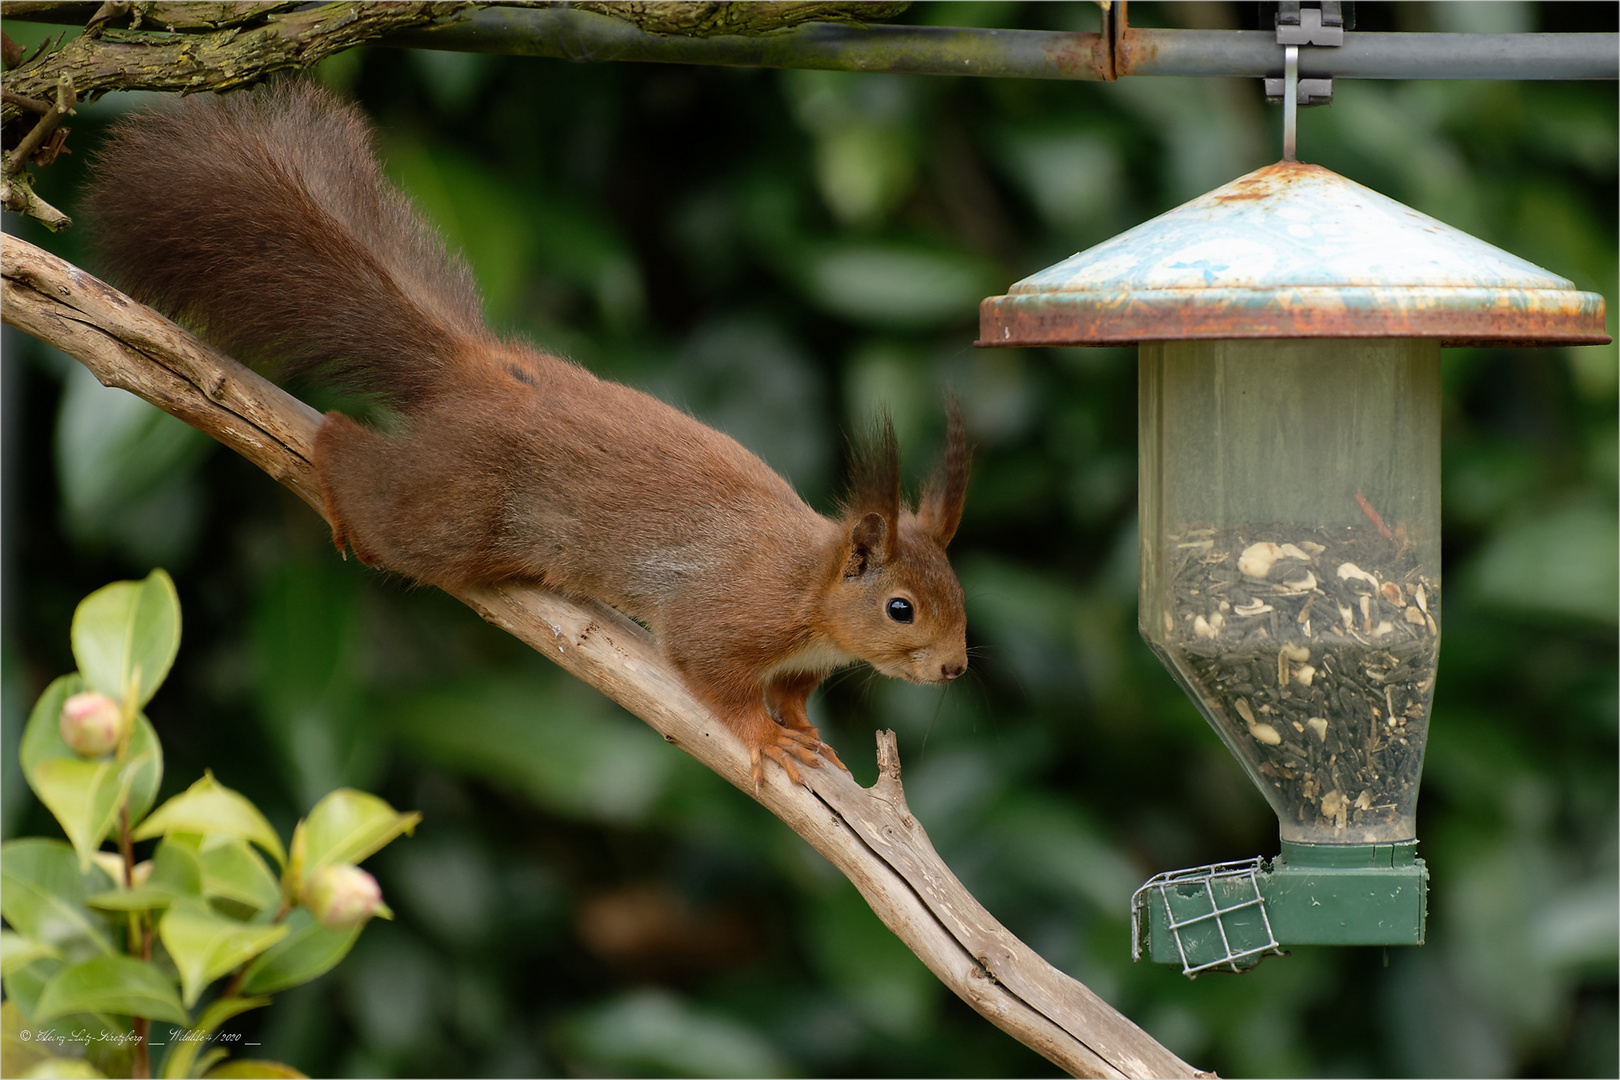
<point x="1211" y="918"/>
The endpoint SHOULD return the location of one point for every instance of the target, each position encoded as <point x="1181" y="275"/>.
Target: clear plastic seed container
<point x="1290" y="514"/>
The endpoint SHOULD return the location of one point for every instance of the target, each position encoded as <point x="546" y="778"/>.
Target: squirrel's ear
<point x="871" y="543"/>
<point x="874" y="490"/>
<point x="941" y="509"/>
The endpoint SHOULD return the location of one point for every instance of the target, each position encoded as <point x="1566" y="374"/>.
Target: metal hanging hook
<point x="1290" y="103"/>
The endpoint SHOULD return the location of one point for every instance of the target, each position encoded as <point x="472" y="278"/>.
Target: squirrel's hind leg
<point x="421" y="503"/>
<point x="338" y="439"/>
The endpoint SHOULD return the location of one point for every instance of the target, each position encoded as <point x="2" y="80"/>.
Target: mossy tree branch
<point x="236" y="48"/>
<point x="191" y="46"/>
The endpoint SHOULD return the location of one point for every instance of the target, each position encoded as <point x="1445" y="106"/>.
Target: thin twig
<point x="17" y="195"/>
<point x="18" y="157"/>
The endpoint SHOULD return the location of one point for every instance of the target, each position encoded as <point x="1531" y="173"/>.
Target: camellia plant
<point x="115" y="965"/>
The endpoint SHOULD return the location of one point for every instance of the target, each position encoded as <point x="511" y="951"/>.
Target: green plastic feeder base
<point x="1230" y="916"/>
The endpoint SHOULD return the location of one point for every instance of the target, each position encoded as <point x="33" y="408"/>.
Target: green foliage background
<point x="782" y="253"/>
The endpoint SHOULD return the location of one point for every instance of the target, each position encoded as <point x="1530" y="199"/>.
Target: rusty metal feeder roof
<point x="1293" y="251"/>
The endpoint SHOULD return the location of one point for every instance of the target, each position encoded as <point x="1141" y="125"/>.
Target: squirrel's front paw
<point x="789" y="748"/>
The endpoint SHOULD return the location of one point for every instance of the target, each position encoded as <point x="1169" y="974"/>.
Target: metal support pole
<point x="583" y="36"/>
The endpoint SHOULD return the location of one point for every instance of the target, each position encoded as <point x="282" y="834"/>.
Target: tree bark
<point x="869" y="834"/>
<point x="189" y="46"/>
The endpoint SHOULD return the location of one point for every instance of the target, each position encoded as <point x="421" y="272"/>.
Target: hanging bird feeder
<point x="1289" y="327"/>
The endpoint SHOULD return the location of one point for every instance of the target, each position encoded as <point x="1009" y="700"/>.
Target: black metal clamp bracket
<point x="1321" y="23"/>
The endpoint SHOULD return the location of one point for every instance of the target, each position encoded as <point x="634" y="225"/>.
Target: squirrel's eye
<point x="900" y="610"/>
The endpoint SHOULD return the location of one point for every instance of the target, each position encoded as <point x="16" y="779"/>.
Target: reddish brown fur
<point x="266" y="223"/>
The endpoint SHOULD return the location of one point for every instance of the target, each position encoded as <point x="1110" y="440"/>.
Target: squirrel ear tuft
<point x="871" y="544"/>
<point x="941" y="509"/>
<point x="874" y="486"/>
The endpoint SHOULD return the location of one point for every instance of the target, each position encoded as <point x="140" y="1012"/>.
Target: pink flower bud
<point x="91" y="724"/>
<point x="343" y="897"/>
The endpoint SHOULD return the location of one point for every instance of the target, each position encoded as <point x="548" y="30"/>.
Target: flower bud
<point x="91" y="724"/>
<point x="343" y="897"/>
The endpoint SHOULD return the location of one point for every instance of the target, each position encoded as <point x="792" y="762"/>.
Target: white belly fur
<point x="819" y="659"/>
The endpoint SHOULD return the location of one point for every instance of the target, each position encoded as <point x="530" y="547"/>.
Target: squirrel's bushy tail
<point x="263" y="221"/>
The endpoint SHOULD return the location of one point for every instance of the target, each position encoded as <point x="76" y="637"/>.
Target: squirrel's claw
<point x="832" y="756"/>
<point x="798" y="725"/>
<point x="790" y="749"/>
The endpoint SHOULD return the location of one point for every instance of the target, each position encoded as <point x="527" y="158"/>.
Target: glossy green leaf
<point x="205" y="945"/>
<point x="42" y="738"/>
<point x="209" y="808"/>
<point x="17" y="952"/>
<point x="234" y="871"/>
<point x="308" y="950"/>
<point x="113" y="984"/>
<point x="42" y="741"/>
<point x="348" y="826"/>
<point x="125" y="636"/>
<point x="176" y="874"/>
<point x="253" y="1069"/>
<point x="182" y="1060"/>
<point x="42" y="896"/>
<point x="141" y="898"/>
<point x="146" y="753"/>
<point x="176" y="865"/>
<point x="84" y="797"/>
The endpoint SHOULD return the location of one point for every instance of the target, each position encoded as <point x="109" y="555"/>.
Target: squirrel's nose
<point x="952" y="670"/>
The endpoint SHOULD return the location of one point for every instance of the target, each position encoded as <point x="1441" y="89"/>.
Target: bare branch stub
<point x="868" y="834"/>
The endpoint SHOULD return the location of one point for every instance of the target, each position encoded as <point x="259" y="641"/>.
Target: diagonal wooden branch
<point x="869" y="834"/>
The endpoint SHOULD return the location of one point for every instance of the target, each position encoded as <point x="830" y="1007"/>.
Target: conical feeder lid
<point x="1288" y="251"/>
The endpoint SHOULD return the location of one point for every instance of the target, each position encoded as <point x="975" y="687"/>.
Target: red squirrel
<point x="264" y="222"/>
